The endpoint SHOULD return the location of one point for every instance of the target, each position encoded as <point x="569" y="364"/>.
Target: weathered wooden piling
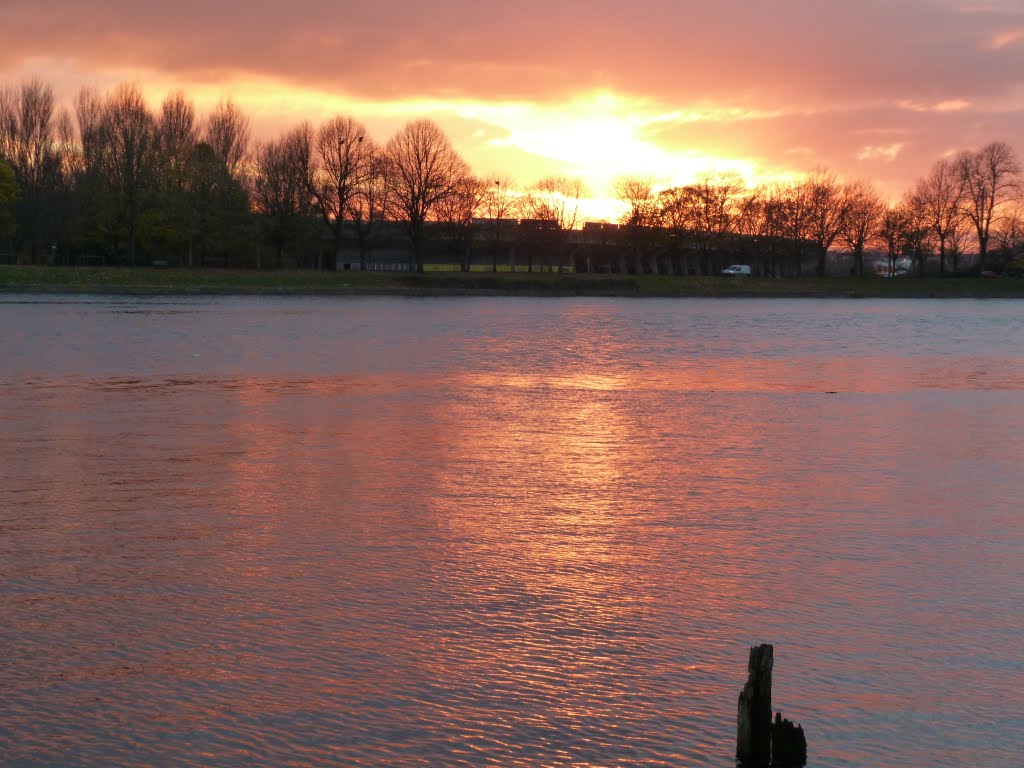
<point x="759" y="742"/>
<point x="754" y="720"/>
<point x="789" y="747"/>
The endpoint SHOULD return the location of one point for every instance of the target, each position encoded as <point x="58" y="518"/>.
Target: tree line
<point x="968" y="203"/>
<point x="111" y="180"/>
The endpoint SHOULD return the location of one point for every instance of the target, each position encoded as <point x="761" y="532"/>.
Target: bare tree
<point x="66" y="143"/>
<point x="640" y="217"/>
<point x="28" y="142"/>
<point x="458" y="210"/>
<point x="129" y="133"/>
<point x="553" y="204"/>
<point x="89" y="112"/>
<point x="424" y="169"/>
<point x="93" y="208"/>
<point x="370" y="202"/>
<point x="501" y="204"/>
<point x="775" y="218"/>
<point x="938" y="199"/>
<point x="26" y="128"/>
<point x="557" y="199"/>
<point x="892" y="233"/>
<point x="750" y="219"/>
<point x="676" y="217"/>
<point x="786" y="211"/>
<point x="990" y="178"/>
<point x="67" y="224"/>
<point x="177" y="135"/>
<point x="715" y="196"/>
<point x="9" y="127"/>
<point x="918" y="234"/>
<point x="703" y="212"/>
<point x="750" y="222"/>
<point x="281" y="186"/>
<point x="826" y="213"/>
<point x="1008" y="236"/>
<point x="637" y="193"/>
<point x="341" y="161"/>
<point x="864" y="212"/>
<point x="177" y="129"/>
<point x="216" y="206"/>
<point x="9" y="194"/>
<point x="227" y="131"/>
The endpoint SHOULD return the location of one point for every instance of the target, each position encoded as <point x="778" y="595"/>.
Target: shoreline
<point x="150" y="281"/>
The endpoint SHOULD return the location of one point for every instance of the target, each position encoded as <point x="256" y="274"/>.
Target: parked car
<point x="737" y="269"/>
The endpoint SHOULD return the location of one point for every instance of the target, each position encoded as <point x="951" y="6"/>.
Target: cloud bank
<point x="876" y="90"/>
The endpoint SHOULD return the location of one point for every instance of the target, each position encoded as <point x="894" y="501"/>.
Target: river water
<point x="507" y="532"/>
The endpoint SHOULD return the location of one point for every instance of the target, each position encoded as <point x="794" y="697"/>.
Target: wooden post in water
<point x="754" y="720"/>
<point x="789" y="747"/>
<point x="759" y="742"/>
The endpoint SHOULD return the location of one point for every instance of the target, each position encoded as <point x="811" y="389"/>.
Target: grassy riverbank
<point x="151" y="281"/>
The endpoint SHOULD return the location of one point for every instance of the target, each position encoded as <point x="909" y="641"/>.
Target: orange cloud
<point x="667" y="88"/>
<point x="1010" y="37"/>
<point x="889" y="152"/>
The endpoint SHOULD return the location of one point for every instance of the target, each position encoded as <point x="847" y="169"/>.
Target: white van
<point x="737" y="269"/>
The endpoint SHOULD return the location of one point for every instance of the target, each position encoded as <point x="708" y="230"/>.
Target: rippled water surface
<point x="507" y="532"/>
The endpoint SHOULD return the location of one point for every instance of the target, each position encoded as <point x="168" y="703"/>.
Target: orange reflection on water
<point x="524" y="517"/>
<point x="546" y="547"/>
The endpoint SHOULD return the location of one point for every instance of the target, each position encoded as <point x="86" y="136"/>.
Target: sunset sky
<point x="874" y="89"/>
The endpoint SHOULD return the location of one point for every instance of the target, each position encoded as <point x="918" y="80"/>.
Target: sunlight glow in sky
<point x="875" y="90"/>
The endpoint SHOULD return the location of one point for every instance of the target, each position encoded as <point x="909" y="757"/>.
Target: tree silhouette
<point x="423" y="169"/>
<point x="990" y="178"/>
